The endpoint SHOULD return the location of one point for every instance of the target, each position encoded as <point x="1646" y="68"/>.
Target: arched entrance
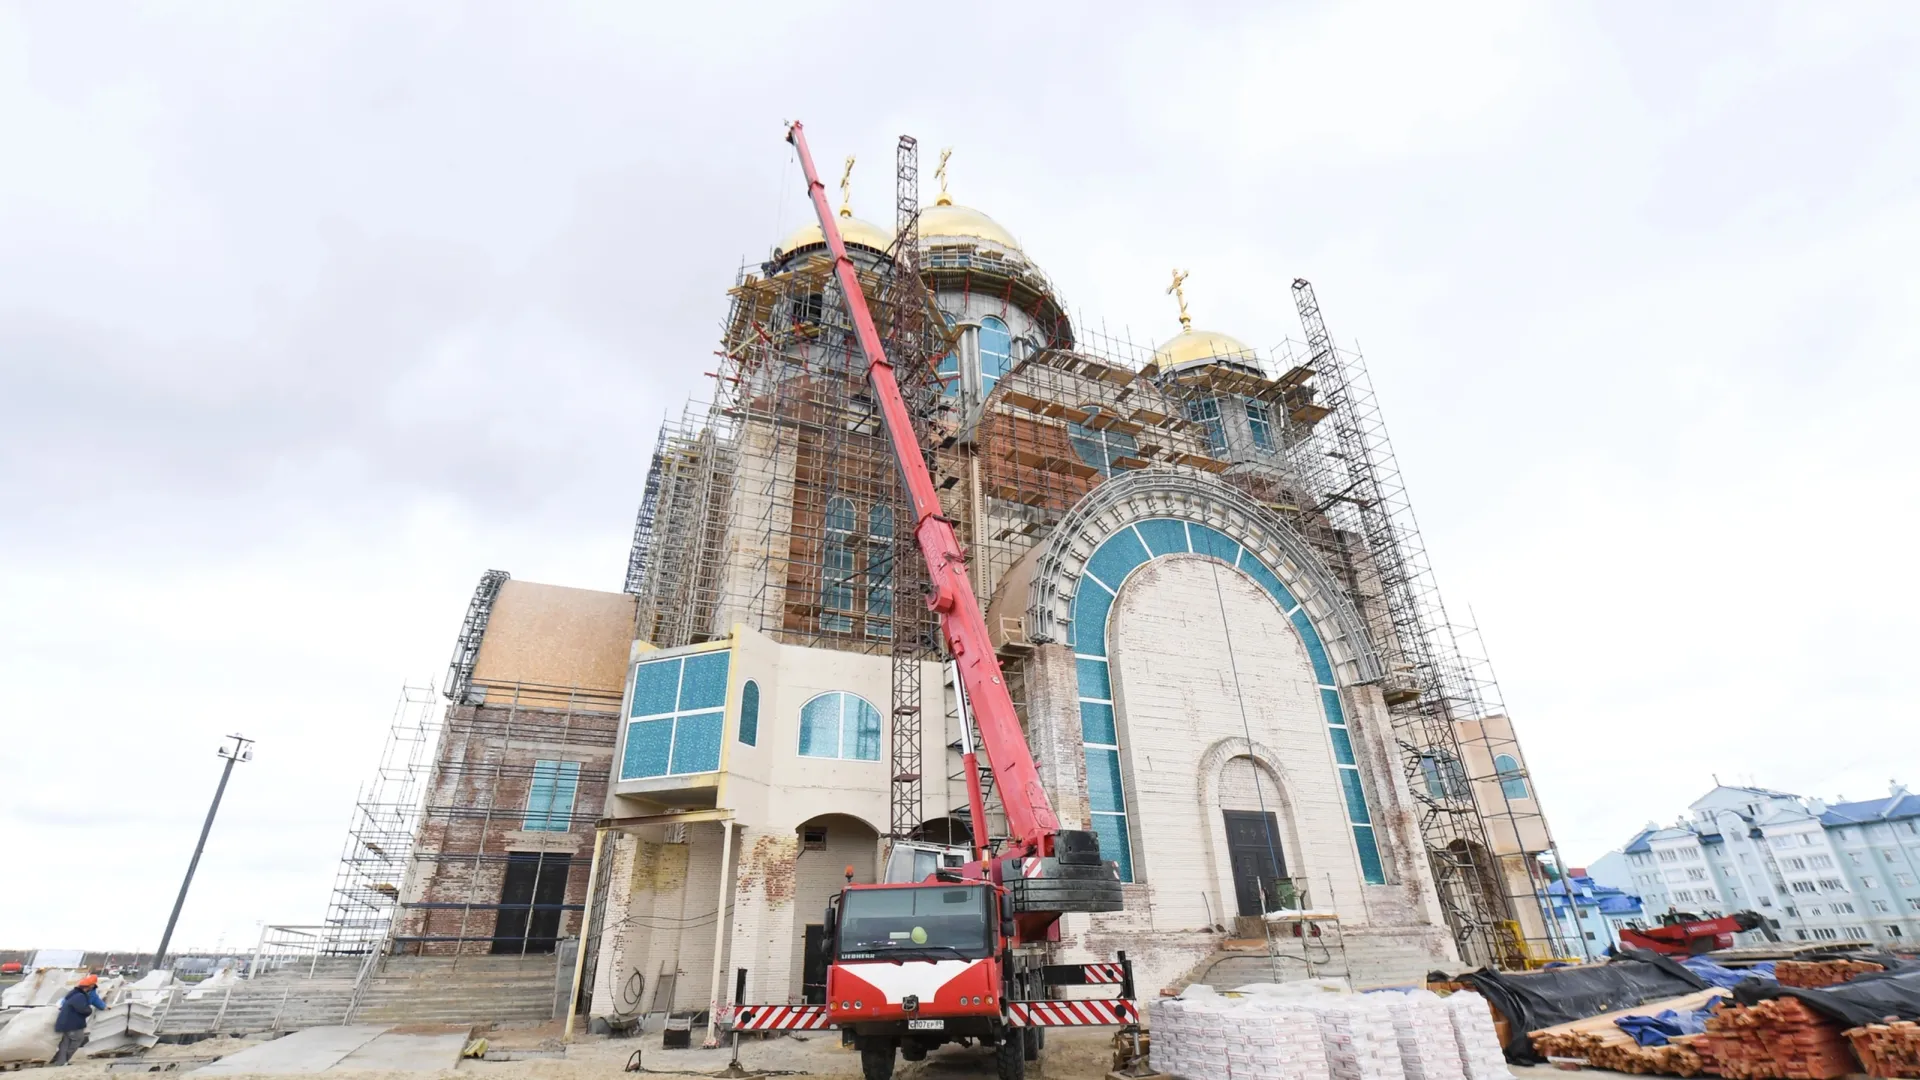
<point x="828" y="846"/>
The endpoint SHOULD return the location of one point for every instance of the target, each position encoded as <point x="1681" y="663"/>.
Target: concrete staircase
<point x="402" y="990"/>
<point x="304" y="995"/>
<point x="461" y="990"/>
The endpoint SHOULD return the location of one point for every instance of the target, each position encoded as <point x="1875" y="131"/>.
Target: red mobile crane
<point x="913" y="965"/>
<point x="1685" y="934"/>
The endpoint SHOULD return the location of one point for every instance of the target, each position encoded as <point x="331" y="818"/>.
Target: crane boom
<point x="1030" y="817"/>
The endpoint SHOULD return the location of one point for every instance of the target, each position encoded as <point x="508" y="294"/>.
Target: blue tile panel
<point x="1118" y="556"/>
<point x="677" y="719"/>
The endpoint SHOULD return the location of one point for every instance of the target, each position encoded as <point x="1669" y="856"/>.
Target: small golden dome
<point x="1192" y="348"/>
<point x="853" y="232"/>
<point x="944" y="220"/>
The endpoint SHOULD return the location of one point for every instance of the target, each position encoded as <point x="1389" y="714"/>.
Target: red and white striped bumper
<point x="1091" y="1012"/>
<point x="1102" y="974"/>
<point x="779" y="1017"/>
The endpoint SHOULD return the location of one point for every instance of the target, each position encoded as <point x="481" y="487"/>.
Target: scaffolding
<point x="378" y="853"/>
<point x="1449" y="720"/>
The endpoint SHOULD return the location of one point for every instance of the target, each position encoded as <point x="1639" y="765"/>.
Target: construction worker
<point x="71" y="1024"/>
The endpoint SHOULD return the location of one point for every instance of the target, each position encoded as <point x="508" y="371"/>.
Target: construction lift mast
<point x="914" y="964"/>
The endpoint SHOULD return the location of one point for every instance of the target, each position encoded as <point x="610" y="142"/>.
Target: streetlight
<point x="241" y="749"/>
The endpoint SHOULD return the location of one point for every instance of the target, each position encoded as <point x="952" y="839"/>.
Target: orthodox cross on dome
<point x="1180" y="294"/>
<point x="846" y="189"/>
<point x="941" y="173"/>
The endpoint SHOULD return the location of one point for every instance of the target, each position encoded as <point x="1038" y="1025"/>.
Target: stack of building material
<point x="1601" y="1042"/>
<point x="1891" y="1049"/>
<point x="1475" y="1034"/>
<point x="1244" y="1038"/>
<point x="1359" y="1035"/>
<point x="125" y="1028"/>
<point x="1816" y="973"/>
<point x="1421" y="1025"/>
<point x="1775" y="1038"/>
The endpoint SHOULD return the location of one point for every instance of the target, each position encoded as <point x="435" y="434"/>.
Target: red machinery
<point x="914" y="965"/>
<point x="1683" y="934"/>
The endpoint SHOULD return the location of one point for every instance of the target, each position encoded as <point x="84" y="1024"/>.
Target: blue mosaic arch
<point x="1125" y="550"/>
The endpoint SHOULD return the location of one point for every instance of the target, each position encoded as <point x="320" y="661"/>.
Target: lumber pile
<point x="1890" y="1049"/>
<point x="1816" y="973"/>
<point x="1602" y="1043"/>
<point x="1781" y="1038"/>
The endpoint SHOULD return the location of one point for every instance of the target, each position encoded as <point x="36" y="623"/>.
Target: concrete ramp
<point x="370" y="1047"/>
<point x="310" y="1051"/>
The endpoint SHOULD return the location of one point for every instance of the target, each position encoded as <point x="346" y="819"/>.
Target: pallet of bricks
<point x="1780" y="1038"/>
<point x="1888" y="1049"/>
<point x="1601" y="1042"/>
<point x="1818" y="973"/>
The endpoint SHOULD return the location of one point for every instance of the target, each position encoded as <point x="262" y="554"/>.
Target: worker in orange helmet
<point x="75" y="1008"/>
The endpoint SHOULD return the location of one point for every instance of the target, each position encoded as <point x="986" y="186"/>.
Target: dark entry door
<point x="531" y="897"/>
<point x="1253" y="848"/>
<point x="813" y="969"/>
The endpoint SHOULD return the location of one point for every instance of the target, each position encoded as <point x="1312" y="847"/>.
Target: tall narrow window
<point x="836" y="567"/>
<point x="750" y="713"/>
<point x="880" y="571"/>
<point x="949" y="367"/>
<point x="1512" y="782"/>
<point x="550" y="796"/>
<point x="996" y="353"/>
<point x="1260" y="422"/>
<point x="1206" y="413"/>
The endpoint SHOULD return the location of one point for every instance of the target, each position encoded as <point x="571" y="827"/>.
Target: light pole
<point x="241" y="749"/>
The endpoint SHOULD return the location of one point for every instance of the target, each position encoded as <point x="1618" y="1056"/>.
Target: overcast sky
<point x="311" y="313"/>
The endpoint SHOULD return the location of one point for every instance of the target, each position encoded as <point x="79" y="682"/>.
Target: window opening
<point x="1260" y="422"/>
<point x="550" y="796"/>
<point x="750" y="713"/>
<point x="1206" y="412"/>
<point x="840" y="725"/>
<point x="1514" y="785"/>
<point x="996" y="353"/>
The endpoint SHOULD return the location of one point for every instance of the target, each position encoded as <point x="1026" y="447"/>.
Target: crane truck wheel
<point x="876" y="1059"/>
<point x="1010" y="1057"/>
<point x="1030" y="1042"/>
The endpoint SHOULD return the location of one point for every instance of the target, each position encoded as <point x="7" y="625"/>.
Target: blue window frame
<point x="996" y="353"/>
<point x="1206" y="413"/>
<point x="550" y="796"/>
<point x="750" y="713"/>
<point x="1513" y="783"/>
<point x="840" y="725"/>
<point x="949" y="367"/>
<point x="1260" y="422"/>
<point x="1118" y="556"/>
<point x="678" y="713"/>
<point x="880" y="571"/>
<point x="836" y="566"/>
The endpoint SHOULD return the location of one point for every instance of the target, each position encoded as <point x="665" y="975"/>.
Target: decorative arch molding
<point x="1202" y="500"/>
<point x="1209" y="780"/>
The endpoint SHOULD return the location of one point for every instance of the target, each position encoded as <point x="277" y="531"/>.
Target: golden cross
<point x="941" y="173"/>
<point x="1180" y="294"/>
<point x="846" y="189"/>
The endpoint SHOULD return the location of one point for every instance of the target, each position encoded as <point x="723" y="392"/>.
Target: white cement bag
<point x="1357" y="1031"/>
<point x="29" y="1036"/>
<point x="1424" y="1030"/>
<point x="1473" y="1031"/>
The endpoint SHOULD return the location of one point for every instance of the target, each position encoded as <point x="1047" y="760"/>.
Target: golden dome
<point x="1194" y="347"/>
<point x="943" y="220"/>
<point x="853" y="232"/>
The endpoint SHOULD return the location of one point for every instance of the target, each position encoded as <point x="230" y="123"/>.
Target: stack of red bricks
<point x="1815" y="973"/>
<point x="1781" y="1038"/>
<point x="1889" y="1049"/>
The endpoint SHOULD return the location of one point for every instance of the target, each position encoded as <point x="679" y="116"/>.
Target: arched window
<point x="836" y="566"/>
<point x="1512" y="782"/>
<point x="880" y="571"/>
<point x="1098" y="444"/>
<point x="840" y="725"/>
<point x="996" y="353"/>
<point x="750" y="713"/>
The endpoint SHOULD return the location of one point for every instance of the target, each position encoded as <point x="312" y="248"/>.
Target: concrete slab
<point x="395" y="1052"/>
<point x="310" y="1051"/>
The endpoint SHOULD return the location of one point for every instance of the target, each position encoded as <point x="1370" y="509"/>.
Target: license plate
<point x="926" y="1025"/>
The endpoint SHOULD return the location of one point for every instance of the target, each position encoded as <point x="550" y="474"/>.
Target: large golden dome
<point x="943" y="220"/>
<point x="1195" y="347"/>
<point x="853" y="232"/>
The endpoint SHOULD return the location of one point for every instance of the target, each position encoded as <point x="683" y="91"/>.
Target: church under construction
<point x="1199" y="567"/>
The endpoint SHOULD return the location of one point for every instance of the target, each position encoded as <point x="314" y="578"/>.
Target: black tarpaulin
<point x="1868" y="999"/>
<point x="1541" y="999"/>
